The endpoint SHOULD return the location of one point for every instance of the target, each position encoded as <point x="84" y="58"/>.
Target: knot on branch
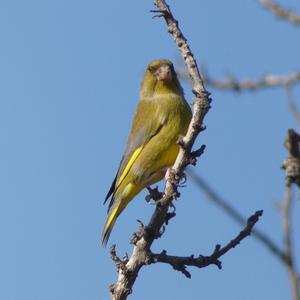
<point x="154" y="194"/>
<point x="292" y="164"/>
<point x="113" y="288"/>
<point x="213" y="259"/>
<point x="181" y="142"/>
<point x="292" y="168"/>
<point x="203" y="95"/>
<point x="177" y="264"/>
<point x="120" y="263"/>
<point x="235" y="84"/>
<point x="170" y="215"/>
<point x="195" y="154"/>
<point x="146" y="232"/>
<point x="141" y="232"/>
<point x="182" y="180"/>
<point x="174" y="179"/>
<point x="215" y="255"/>
<point x="158" y="13"/>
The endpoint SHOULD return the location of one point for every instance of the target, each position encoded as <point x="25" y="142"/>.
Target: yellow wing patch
<point x="134" y="156"/>
<point x="118" y="208"/>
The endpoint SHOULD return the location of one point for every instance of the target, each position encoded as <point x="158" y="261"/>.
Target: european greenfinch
<point x="161" y="116"/>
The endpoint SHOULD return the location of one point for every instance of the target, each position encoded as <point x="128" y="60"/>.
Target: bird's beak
<point x="164" y="73"/>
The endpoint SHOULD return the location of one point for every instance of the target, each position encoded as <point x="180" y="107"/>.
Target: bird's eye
<point x="150" y="69"/>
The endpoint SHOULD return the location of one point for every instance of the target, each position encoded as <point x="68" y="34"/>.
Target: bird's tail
<point x="111" y="219"/>
<point x="122" y="198"/>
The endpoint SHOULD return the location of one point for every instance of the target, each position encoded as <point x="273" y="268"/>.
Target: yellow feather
<point x="128" y="193"/>
<point x="129" y="164"/>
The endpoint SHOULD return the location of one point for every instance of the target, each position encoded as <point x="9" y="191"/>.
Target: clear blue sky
<point x="69" y="75"/>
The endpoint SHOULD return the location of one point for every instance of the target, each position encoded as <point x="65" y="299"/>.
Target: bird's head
<point x="159" y="78"/>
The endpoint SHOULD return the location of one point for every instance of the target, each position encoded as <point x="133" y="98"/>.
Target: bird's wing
<point x="146" y="124"/>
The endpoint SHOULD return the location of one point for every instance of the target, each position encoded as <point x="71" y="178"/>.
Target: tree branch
<point x="292" y="168"/>
<point x="232" y="83"/>
<point x="180" y="263"/>
<point x="281" y="12"/>
<point x="287" y="234"/>
<point x="144" y="238"/>
<point x="266" y="81"/>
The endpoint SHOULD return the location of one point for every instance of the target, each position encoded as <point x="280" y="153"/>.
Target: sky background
<point x="69" y="82"/>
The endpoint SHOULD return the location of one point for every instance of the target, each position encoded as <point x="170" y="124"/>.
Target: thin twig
<point x="180" y="263"/>
<point x="281" y="12"/>
<point x="267" y="81"/>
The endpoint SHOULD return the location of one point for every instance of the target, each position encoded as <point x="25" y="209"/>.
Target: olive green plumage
<point x="162" y="115"/>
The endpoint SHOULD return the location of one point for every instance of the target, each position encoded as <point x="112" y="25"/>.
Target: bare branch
<point x="292" y="168"/>
<point x="239" y="218"/>
<point x="281" y="12"/>
<point x="293" y="275"/>
<point x="232" y="83"/>
<point x="180" y="263"/>
<point x="267" y="81"/>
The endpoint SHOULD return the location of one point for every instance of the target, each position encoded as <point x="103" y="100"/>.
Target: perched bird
<point x="162" y="115"/>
